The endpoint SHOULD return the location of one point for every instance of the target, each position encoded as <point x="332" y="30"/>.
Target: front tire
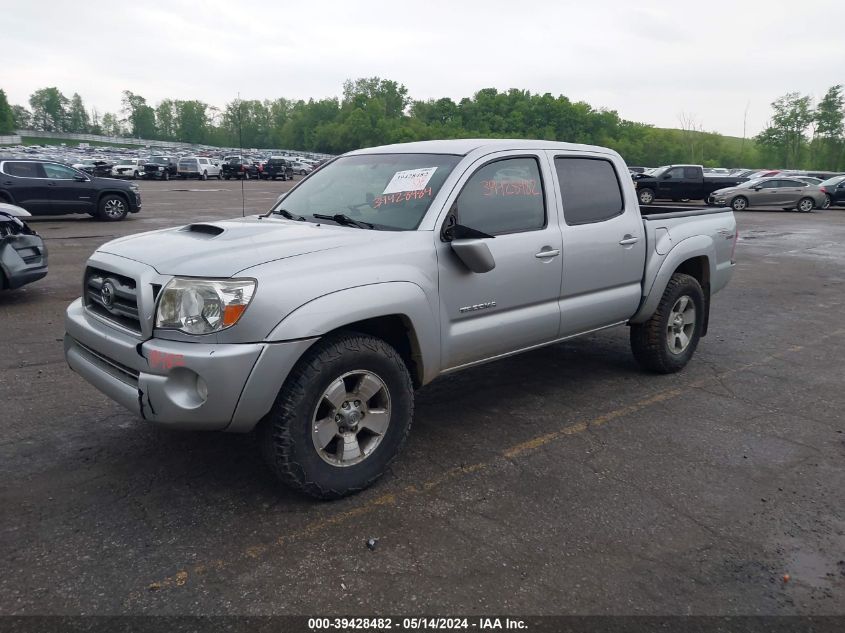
<point x="341" y="417"/>
<point x="645" y="196"/>
<point x="113" y="208"/>
<point x="666" y="342"/>
<point x="826" y="203"/>
<point x="204" y="175"/>
<point x="740" y="203"/>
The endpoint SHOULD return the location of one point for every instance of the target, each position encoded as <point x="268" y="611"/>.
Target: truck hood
<point x="225" y="248"/>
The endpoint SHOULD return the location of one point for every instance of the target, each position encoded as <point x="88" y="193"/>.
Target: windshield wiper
<point x="288" y="215"/>
<point x="344" y="220"/>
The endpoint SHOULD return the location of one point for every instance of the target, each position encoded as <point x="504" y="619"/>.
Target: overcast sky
<point x="650" y="61"/>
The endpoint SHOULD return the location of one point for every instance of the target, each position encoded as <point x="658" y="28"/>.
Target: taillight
<point x="823" y="190"/>
<point x="733" y="248"/>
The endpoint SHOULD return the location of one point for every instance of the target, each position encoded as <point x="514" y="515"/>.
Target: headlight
<point x="202" y="306"/>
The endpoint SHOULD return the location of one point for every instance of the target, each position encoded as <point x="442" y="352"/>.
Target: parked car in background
<point x="303" y="169"/>
<point x="239" y="168"/>
<point x="763" y="173"/>
<point x="198" y="167"/>
<point x="679" y="182"/>
<point x="160" y="168"/>
<point x="128" y="168"/>
<point x="23" y="256"/>
<point x="278" y="167"/>
<point x="833" y="190"/>
<point x="49" y="188"/>
<point x="777" y="191"/>
<point x="810" y="180"/>
<point x="636" y="170"/>
<point x="95" y="167"/>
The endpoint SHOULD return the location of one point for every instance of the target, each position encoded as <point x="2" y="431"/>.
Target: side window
<point x="675" y="173"/>
<point x="59" y="172"/>
<point x="691" y="172"/>
<point x="589" y="189"/>
<point x="505" y="196"/>
<point x="793" y="183"/>
<point x="769" y="184"/>
<point x="24" y="170"/>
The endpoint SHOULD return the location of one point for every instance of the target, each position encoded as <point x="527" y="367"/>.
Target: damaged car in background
<point x="23" y="256"/>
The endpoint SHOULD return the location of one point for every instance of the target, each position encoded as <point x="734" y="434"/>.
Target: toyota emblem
<point x="107" y="293"/>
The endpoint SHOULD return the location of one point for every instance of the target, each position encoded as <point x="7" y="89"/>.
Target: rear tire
<point x="365" y="374"/>
<point x="806" y="205"/>
<point x="666" y="342"/>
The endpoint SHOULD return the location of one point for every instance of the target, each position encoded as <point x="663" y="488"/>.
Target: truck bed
<point x="653" y="211"/>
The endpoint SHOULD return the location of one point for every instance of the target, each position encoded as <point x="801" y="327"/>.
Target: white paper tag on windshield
<point x="409" y="180"/>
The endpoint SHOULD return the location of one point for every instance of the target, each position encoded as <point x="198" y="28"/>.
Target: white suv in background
<point x="129" y="168"/>
<point x="197" y="167"/>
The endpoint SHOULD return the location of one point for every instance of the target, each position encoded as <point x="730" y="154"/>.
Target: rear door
<point x="27" y="184"/>
<point x="515" y="305"/>
<point x="603" y="243"/>
<point x="793" y="191"/>
<point x="68" y="195"/>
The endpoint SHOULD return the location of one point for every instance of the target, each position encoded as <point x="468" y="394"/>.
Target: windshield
<point x="391" y="191"/>
<point x="160" y="160"/>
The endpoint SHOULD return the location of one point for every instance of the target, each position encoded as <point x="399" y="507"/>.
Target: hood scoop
<point x="203" y="230"/>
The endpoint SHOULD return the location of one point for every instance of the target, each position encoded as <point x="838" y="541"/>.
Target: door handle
<point x="547" y="254"/>
<point x="628" y="240"/>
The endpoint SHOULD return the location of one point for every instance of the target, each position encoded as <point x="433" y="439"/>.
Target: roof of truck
<point x="463" y="146"/>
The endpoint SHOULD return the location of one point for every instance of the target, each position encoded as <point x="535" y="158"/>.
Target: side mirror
<point x="756" y="188"/>
<point x="475" y="254"/>
<point x="468" y="244"/>
<point x="667" y="177"/>
<point x="81" y="179"/>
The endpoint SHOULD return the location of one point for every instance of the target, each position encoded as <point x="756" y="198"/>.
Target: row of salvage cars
<point x="23" y="256"/>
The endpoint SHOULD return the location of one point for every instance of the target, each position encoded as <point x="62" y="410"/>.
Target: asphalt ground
<point x="561" y="481"/>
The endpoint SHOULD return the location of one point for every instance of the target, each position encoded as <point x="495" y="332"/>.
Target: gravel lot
<point x="560" y="481"/>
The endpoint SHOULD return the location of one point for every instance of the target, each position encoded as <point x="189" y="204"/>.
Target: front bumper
<point x="23" y="259"/>
<point x="176" y="384"/>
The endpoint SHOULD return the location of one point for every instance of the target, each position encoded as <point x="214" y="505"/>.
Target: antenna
<point x="241" y="151"/>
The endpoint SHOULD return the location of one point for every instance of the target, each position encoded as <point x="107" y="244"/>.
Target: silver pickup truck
<point x="388" y="267"/>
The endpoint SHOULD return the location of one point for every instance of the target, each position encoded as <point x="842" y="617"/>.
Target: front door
<point x="69" y="195"/>
<point x="771" y="194"/>
<point x="671" y="184"/>
<point x="515" y="305"/>
<point x="25" y="181"/>
<point x="603" y="243"/>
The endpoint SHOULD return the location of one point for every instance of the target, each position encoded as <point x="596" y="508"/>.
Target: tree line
<point x="375" y="111"/>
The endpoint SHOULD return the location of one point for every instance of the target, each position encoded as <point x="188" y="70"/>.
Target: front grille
<point x="119" y="303"/>
<point x="151" y="168"/>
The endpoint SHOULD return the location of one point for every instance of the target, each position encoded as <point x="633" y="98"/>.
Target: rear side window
<point x="690" y="172"/>
<point x="24" y="170"/>
<point x="505" y="196"/>
<point x="589" y="189"/>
